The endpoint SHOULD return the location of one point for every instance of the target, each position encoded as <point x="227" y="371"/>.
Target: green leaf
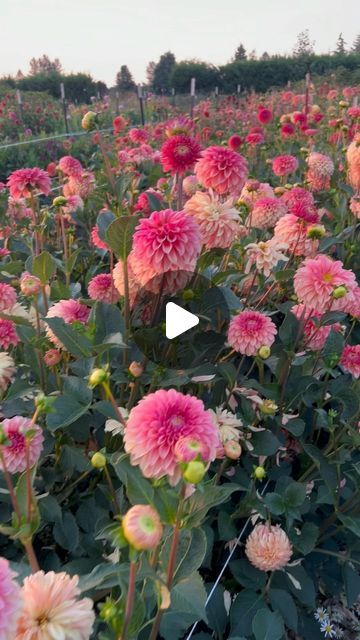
<point x="139" y="490"/>
<point x="327" y="471"/>
<point x="268" y="625"/>
<point x="66" y="532"/>
<point x="352" y="584"/>
<point x="43" y="267"/>
<point x="243" y="610"/>
<point x="305" y="541"/>
<point x="71" y="405"/>
<point x="199" y="504"/>
<point x="353" y="524"/>
<point x="306" y="594"/>
<point x="108" y="322"/>
<point x="283" y="601"/>
<point x="119" y="235"/>
<point x="104" y="219"/>
<point x="295" y="494"/>
<point x="334" y="344"/>
<point x="190" y="553"/>
<point x="265" y="443"/>
<point x="289" y="330"/>
<point x="101" y="574"/>
<point x="189" y="596"/>
<point x="77" y="344"/>
<point x="296" y="427"/>
<point x="275" y="503"/>
<point x="247" y="575"/>
<point x="215" y="610"/>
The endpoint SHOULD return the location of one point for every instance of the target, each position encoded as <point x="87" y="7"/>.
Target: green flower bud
<point x="98" y="376"/>
<point x="268" y="408"/>
<point x="339" y="292"/>
<point x="89" y="121"/>
<point x="188" y="294"/>
<point x="98" y="460"/>
<point x="264" y="352"/>
<point x="194" y="472"/>
<point x="259" y="473"/>
<point x="44" y="403"/>
<point x="60" y="201"/>
<point x="316" y="232"/>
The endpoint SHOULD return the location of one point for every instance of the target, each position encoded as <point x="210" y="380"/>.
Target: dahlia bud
<point x="136" y="369"/>
<point x="232" y="449"/>
<point x="279" y="191"/>
<point x="98" y="460"/>
<point x="89" y="121"/>
<point x="29" y="285"/>
<point x="316" y="232"/>
<point x="264" y="352"/>
<point x="343" y="104"/>
<point x="339" y="292"/>
<point x="60" y="201"/>
<point x="44" y="403"/>
<point x="259" y="473"/>
<point x="142" y="527"/>
<point x="188" y="294"/>
<point x="109" y="611"/>
<point x="268" y="408"/>
<point x="98" y="376"/>
<point x="52" y="357"/>
<point x="187" y="449"/>
<point x="194" y="472"/>
<point x="3" y="437"/>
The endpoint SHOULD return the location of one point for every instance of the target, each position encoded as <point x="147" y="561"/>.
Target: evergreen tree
<point x="44" y="65"/>
<point x="240" y="53"/>
<point x="340" y="45"/>
<point x="162" y="72"/>
<point x="124" y="79"/>
<point x="150" y="70"/>
<point x="265" y="56"/>
<point x="356" y="45"/>
<point x="304" y="46"/>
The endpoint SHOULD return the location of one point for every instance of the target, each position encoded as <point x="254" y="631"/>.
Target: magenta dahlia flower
<point x="24" y="182"/>
<point x="8" y="334"/>
<point x="179" y="154"/>
<point x="350" y="359"/>
<point x="10" y="601"/>
<point x="14" y="453"/>
<point x="284" y="165"/>
<point x="222" y="170"/>
<point x="102" y="288"/>
<point x="316" y="279"/>
<point x="249" y="331"/>
<point x="70" y="166"/>
<point x="158" y="422"/>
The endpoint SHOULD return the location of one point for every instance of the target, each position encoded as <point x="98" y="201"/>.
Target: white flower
<point x="265" y="255"/>
<point x="227" y="423"/>
<point x="114" y="426"/>
<point x="328" y="629"/>
<point x="7" y="369"/>
<point x="321" y="614"/>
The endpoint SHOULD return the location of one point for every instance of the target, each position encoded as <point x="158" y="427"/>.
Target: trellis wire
<point x="216" y="583"/>
<point x="48" y="138"/>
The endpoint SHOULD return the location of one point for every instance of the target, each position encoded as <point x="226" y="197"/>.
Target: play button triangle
<point x="178" y="320"/>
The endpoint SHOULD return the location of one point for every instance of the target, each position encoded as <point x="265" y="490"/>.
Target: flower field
<point x="204" y="486"/>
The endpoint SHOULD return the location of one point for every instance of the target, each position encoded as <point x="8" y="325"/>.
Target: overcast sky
<point x="100" y="35"/>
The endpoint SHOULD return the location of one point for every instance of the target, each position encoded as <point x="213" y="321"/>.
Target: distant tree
<point x="44" y="65"/>
<point x="19" y="74"/>
<point x="101" y="88"/>
<point x="162" y="72"/>
<point x="304" y="46"/>
<point x="124" y="79"/>
<point x="340" y="45"/>
<point x="265" y="56"/>
<point x="150" y="71"/>
<point x="240" y="53"/>
<point x="356" y="45"/>
<point x="252" y="55"/>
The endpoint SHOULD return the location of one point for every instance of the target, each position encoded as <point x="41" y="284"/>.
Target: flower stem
<point x="129" y="601"/>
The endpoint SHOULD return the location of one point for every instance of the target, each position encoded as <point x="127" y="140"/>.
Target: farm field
<point x="205" y="485"/>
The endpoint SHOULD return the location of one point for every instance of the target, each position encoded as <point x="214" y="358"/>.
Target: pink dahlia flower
<point x="249" y="331"/>
<point x="80" y="185"/>
<point x="355" y="207"/>
<point x="7" y="370"/>
<point x="222" y="170"/>
<point x="14" y="453"/>
<point x="142" y="527"/>
<point x="265" y="255"/>
<point x="353" y="162"/>
<point x="118" y="277"/>
<point x="253" y="191"/>
<point x="264" y="115"/>
<point x="166" y="241"/>
<point x="219" y="222"/>
<point x="314" y="336"/>
<point x="102" y="288"/>
<point x="284" y="165"/>
<point x="293" y="230"/>
<point x="320" y="170"/>
<point x="268" y="548"/>
<point x="70" y="311"/>
<point x="300" y="202"/>
<point x="52" y="609"/>
<point x="316" y="279"/>
<point x="158" y="422"/>
<point x="73" y="204"/>
<point x="97" y="241"/>
<point x="179" y="154"/>
<point x="10" y="601"/>
<point x="138" y="136"/>
<point x="24" y="182"/>
<point x="8" y="334"/>
<point x="7" y="296"/>
<point x="350" y="359"/>
<point x="52" y="357"/>
<point x="266" y="212"/>
<point x="70" y="166"/>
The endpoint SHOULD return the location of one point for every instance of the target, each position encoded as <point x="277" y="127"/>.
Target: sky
<point x="98" y="36"/>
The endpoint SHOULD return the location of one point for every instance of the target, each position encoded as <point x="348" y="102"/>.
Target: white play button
<point x="178" y="320"/>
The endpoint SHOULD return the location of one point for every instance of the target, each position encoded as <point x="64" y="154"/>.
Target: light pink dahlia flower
<point x="250" y="330"/>
<point x="320" y="170"/>
<point x="158" y="422"/>
<point x="350" y="359"/>
<point x="254" y="190"/>
<point x="14" y="453"/>
<point x="7" y="296"/>
<point x="316" y="279"/>
<point x="10" y="601"/>
<point x="284" y="165"/>
<point x="24" y="182"/>
<point x="102" y="288"/>
<point x="142" y="527"/>
<point x="294" y="232"/>
<point x="266" y="212"/>
<point x="219" y="222"/>
<point x="268" y="547"/>
<point x="52" y="609"/>
<point x="70" y="311"/>
<point x="222" y="170"/>
<point x="265" y="255"/>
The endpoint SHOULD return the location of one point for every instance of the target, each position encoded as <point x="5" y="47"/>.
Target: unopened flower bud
<point x="142" y="527"/>
<point x="89" y="121"/>
<point x="52" y="357"/>
<point x="194" y="472"/>
<point x="188" y="294"/>
<point x="339" y="292"/>
<point x="232" y="449"/>
<point x="109" y="611"/>
<point x="187" y="449"/>
<point x="136" y="369"/>
<point x="60" y="201"/>
<point x="264" y="352"/>
<point x="29" y="285"/>
<point x="98" y="376"/>
<point x="268" y="408"/>
<point x="259" y="473"/>
<point x="98" y="460"/>
<point x="44" y="403"/>
<point x="316" y="232"/>
<point x="279" y="191"/>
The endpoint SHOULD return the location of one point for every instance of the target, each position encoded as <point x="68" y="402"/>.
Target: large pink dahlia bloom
<point x="316" y="279"/>
<point x="7" y="296"/>
<point x="15" y="453"/>
<point x="10" y="601"/>
<point x="254" y="190"/>
<point x="219" y="222"/>
<point x="250" y="330"/>
<point x="222" y="170"/>
<point x="179" y="154"/>
<point x="70" y="311"/>
<point x="266" y="212"/>
<point x="268" y="547"/>
<point x="158" y="422"/>
<point x="293" y="230"/>
<point x="23" y="182"/>
<point x="284" y="165"/>
<point x="166" y="241"/>
<point x="320" y="170"/>
<point x="350" y="359"/>
<point x="52" y="610"/>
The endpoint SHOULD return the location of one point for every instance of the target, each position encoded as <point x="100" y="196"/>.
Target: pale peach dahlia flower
<point x="265" y="255"/>
<point x="268" y="547"/>
<point x="219" y="222"/>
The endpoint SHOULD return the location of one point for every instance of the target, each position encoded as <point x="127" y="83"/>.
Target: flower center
<point x="328" y="277"/>
<point x="177" y="421"/>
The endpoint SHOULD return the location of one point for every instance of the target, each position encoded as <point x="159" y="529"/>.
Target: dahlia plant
<point x="205" y="486"/>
